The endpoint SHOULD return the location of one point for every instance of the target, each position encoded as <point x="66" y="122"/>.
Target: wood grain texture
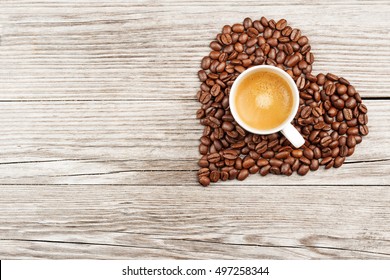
<point x="98" y="142"/>
<point x="190" y="222"/>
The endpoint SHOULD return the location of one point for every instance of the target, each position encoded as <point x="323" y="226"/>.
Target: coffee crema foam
<point x="264" y="100"/>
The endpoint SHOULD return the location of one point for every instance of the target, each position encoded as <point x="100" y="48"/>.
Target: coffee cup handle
<point x="293" y="135"/>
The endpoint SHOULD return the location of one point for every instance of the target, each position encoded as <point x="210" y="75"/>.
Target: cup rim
<point x="277" y="71"/>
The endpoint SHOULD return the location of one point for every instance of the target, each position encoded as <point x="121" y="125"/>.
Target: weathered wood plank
<point x="144" y="142"/>
<point x="298" y="222"/>
<point x="130" y="50"/>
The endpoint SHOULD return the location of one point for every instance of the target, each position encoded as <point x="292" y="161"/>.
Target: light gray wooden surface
<point x="98" y="136"/>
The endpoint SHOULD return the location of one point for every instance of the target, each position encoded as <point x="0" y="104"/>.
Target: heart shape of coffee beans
<point x="331" y="117"/>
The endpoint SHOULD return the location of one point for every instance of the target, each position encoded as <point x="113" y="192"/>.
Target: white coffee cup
<point x="285" y="127"/>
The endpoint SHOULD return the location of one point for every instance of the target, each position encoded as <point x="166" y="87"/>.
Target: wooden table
<point x="99" y="141"/>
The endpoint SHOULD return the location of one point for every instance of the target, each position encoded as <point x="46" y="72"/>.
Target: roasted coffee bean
<point x="330" y="164"/>
<point x="342" y="141"/>
<point x="227" y="126"/>
<point x="226" y="39"/>
<point x="200" y="114"/>
<point x="213" y="158"/>
<point x="256" y="24"/>
<point x="295" y="165"/>
<point x="204" y="172"/>
<point x="308" y="153"/>
<point x="342" y="128"/>
<point x="362" y="119"/>
<point x="351" y="141"/>
<point x="330" y="89"/>
<point x="306" y="48"/>
<point x="215" y="90"/>
<point x="202" y="75"/>
<point x="248" y="162"/>
<point x="254" y="169"/>
<point x="352" y="131"/>
<point x="303" y="40"/>
<point x="238" y="164"/>
<point x="350" y="151"/>
<point x="238" y="28"/>
<point x="326" y="152"/>
<point x="274" y="170"/>
<point x="338" y="104"/>
<point x="295" y="35"/>
<point x="275" y="162"/>
<point x="355" y="112"/>
<point x="286" y="31"/>
<point x="254" y="155"/>
<point x="206" y="131"/>
<point x="306" y="112"/>
<point x="317" y="153"/>
<point x="331" y="77"/>
<point x="214" y="176"/>
<point x="314" y="165"/>
<point x="206" y="62"/>
<point x="292" y="61"/>
<point x="205" y="97"/>
<point x="333" y="144"/>
<point x="215" y="46"/>
<point x="338" y="162"/>
<point x="233" y="174"/>
<point x="289" y="160"/>
<point x="203" y="162"/>
<point x="229" y="162"/>
<point x="247" y="23"/>
<point x="325" y="160"/>
<point x="343" y="81"/>
<point x="304" y="160"/>
<point x="252" y="32"/>
<point x="303" y="169"/>
<point x="203" y="149"/>
<point x="281" y="24"/>
<point x="347" y="114"/>
<point x="224" y="175"/>
<point x="282" y="155"/>
<point x="261" y="147"/>
<point x="343" y="151"/>
<point x="204" y="181"/>
<point x="350" y="103"/>
<point x="230" y="154"/>
<point x="226" y="29"/>
<point x="363" y="129"/>
<point x="335" y="151"/>
<point x="297" y="153"/>
<point x="268" y="154"/>
<point x="341" y="89"/>
<point x="310" y="59"/>
<point x="362" y="108"/>
<point x="265" y="170"/>
<point x="321" y="79"/>
<point x="325" y="141"/>
<point x="243" y="174"/>
<point x="205" y="140"/>
<point x="262" y="162"/>
<point x="300" y="82"/>
<point x="317" y="112"/>
<point x="286" y="169"/>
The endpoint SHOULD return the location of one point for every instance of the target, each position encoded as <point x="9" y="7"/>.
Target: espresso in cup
<point x="263" y="100"/>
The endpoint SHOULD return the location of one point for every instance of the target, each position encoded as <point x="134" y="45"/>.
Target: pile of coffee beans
<point x="331" y="116"/>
